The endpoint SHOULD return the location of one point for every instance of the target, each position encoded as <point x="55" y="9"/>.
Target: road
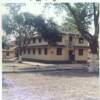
<point x="53" y="85"/>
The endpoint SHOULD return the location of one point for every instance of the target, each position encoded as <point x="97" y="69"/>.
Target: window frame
<point x="39" y="51"/>
<point x="60" y="39"/>
<point x="80" y="52"/>
<point x="81" y="40"/>
<point x="70" y="38"/>
<point x="7" y="53"/>
<point x="34" y="40"/>
<point x="33" y="50"/>
<point x="39" y="40"/>
<point x="29" y="50"/>
<point x="59" y="51"/>
<point x="45" y="51"/>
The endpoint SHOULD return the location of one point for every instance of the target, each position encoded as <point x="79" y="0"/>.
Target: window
<point x="59" y="51"/>
<point x="39" y="50"/>
<point x="70" y="39"/>
<point x="45" y="51"/>
<point x="39" y="40"/>
<point x="80" y="52"/>
<point x="60" y="39"/>
<point x="29" y="41"/>
<point x="81" y="40"/>
<point x="33" y="40"/>
<point x="28" y="50"/>
<point x="7" y="53"/>
<point x="33" y="51"/>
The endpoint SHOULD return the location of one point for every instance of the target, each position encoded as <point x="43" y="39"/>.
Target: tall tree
<point x="18" y="24"/>
<point x="47" y="29"/>
<point x="5" y="42"/>
<point x="22" y="26"/>
<point x="82" y="14"/>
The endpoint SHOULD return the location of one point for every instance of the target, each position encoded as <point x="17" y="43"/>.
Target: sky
<point x="37" y="8"/>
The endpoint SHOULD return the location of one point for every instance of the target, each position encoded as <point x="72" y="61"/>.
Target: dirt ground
<point x="53" y="85"/>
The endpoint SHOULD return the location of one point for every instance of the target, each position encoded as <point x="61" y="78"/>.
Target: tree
<point x="18" y="24"/>
<point x="47" y="29"/>
<point x="23" y="24"/>
<point x="82" y="16"/>
<point x="5" y="42"/>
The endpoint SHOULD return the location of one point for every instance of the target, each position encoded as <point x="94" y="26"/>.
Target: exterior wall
<point x="51" y="55"/>
<point x="76" y="42"/>
<point x="55" y="57"/>
<point x="51" y="52"/>
<point x="11" y="54"/>
<point x="65" y="41"/>
<point x="36" y="55"/>
<point x="83" y="57"/>
<point x="37" y="42"/>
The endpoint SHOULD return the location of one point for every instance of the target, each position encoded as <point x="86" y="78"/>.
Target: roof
<point x="69" y="33"/>
<point x="36" y="35"/>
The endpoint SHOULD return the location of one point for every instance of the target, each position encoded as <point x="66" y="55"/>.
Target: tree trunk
<point x="19" y="55"/>
<point x="94" y="57"/>
<point x="94" y="46"/>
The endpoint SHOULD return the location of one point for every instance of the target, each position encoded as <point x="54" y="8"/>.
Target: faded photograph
<point x="50" y="51"/>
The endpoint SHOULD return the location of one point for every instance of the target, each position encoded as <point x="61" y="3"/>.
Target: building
<point x="10" y="51"/>
<point x="70" y="48"/>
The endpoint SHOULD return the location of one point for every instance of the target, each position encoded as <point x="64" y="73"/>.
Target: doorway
<point x="71" y="55"/>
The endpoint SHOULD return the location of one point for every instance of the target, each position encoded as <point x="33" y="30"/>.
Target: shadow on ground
<point x="70" y="73"/>
<point x="59" y="72"/>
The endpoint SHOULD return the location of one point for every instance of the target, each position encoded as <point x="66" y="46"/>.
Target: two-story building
<point x="10" y="51"/>
<point x="72" y="47"/>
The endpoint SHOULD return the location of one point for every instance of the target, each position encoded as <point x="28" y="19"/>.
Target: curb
<point x="41" y="70"/>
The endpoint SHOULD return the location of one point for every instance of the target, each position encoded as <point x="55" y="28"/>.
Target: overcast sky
<point x="36" y="9"/>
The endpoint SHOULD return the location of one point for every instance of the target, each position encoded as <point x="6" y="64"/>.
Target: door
<point x="71" y="55"/>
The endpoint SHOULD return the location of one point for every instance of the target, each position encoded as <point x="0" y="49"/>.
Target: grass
<point x="15" y="64"/>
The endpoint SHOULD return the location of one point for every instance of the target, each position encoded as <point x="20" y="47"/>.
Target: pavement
<point x="52" y="85"/>
<point x="27" y="66"/>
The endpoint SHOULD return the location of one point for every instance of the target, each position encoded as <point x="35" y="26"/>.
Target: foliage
<point x="81" y="16"/>
<point x="47" y="29"/>
<point x="5" y="42"/>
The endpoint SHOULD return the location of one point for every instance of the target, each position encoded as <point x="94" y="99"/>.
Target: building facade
<point x="10" y="51"/>
<point x="70" y="48"/>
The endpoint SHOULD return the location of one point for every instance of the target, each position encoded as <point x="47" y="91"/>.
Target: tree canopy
<point x="80" y="16"/>
<point x="23" y="24"/>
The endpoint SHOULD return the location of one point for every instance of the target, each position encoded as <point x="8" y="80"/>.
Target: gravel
<point x="56" y="85"/>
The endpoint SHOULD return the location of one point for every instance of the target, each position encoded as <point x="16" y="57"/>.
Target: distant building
<point x="70" y="48"/>
<point x="10" y="51"/>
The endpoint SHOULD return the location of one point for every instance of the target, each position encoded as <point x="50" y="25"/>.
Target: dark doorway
<point x="71" y="55"/>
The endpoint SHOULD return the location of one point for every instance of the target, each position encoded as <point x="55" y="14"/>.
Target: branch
<point x="82" y="31"/>
<point x="96" y="20"/>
